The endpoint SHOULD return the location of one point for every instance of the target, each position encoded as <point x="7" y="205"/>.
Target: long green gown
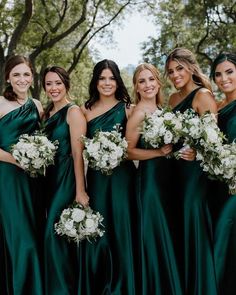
<point x="159" y="268"/>
<point x="225" y="231"/>
<point x="61" y="274"/>
<point x="107" y="266"/>
<point x="192" y="230"/>
<point x="20" y="235"/>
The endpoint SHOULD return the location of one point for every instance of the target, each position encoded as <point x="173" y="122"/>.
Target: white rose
<point x="90" y="225"/>
<point x="168" y="137"/>
<point x="69" y="224"/>
<point x="212" y="135"/>
<point x="78" y="214"/>
<point x="71" y="233"/>
<point x="169" y="116"/>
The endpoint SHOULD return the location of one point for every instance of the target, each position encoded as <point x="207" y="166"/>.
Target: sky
<point x="135" y="30"/>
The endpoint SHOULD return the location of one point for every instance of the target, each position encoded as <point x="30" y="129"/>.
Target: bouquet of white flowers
<point x="105" y="150"/>
<point x="34" y="153"/>
<point x="201" y="132"/>
<point x="221" y="164"/>
<point x="77" y="223"/>
<point x="161" y="127"/>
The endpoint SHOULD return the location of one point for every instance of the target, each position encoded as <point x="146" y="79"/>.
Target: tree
<point x="54" y="31"/>
<point x="204" y="26"/>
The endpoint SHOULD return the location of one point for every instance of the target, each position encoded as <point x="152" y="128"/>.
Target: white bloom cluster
<point x="34" y="153"/>
<point x="161" y="127"/>
<point x="77" y="223"/>
<point x="217" y="159"/>
<point x="201" y="132"/>
<point x="105" y="150"/>
<point x="221" y="164"/>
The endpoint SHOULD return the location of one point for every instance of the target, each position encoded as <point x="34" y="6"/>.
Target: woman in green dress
<point x="20" y="236"/>
<point x="64" y="181"/>
<point x="190" y="218"/>
<point x="158" y="263"/>
<point x="224" y="207"/>
<point x="107" y="266"/>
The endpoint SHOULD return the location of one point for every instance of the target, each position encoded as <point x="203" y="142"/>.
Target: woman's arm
<point x="204" y="101"/>
<point x="77" y="125"/>
<point x="8" y="158"/>
<point x="39" y="107"/>
<point x="133" y="135"/>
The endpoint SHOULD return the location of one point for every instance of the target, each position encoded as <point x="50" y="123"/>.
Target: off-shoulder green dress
<point x="20" y="236"/>
<point x="61" y="272"/>
<point x="225" y="215"/>
<point x="191" y="222"/>
<point x="107" y="266"/>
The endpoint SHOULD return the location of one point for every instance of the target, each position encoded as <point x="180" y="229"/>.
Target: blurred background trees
<point x="60" y="32"/>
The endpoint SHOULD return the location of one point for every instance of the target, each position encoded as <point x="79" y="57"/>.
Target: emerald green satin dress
<point x="158" y="262"/>
<point x="20" y="236"/>
<point x="61" y="274"/>
<point x="191" y="221"/>
<point x="225" y="207"/>
<point x="107" y="266"/>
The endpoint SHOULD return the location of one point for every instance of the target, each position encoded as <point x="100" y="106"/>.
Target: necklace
<point x="21" y="101"/>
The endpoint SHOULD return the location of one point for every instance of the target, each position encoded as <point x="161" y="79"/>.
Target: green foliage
<point x="57" y="32"/>
<point x="204" y="26"/>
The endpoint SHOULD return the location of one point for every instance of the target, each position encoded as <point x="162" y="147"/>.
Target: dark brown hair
<point x="121" y="93"/>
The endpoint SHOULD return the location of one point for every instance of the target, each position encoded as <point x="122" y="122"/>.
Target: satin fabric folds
<point x="224" y="215"/>
<point x="108" y="265"/>
<point x="192" y="230"/>
<point x="61" y="272"/>
<point x="20" y="214"/>
<point x="159" y="268"/>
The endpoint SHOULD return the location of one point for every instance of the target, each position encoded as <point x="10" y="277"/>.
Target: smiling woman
<point x="64" y="182"/>
<point x="223" y="205"/>
<point x="189" y="218"/>
<point x="110" y="263"/>
<point x="21" y="217"/>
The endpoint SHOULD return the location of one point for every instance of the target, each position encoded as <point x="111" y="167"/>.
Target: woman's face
<point x="225" y="76"/>
<point x="21" y="78"/>
<point x="147" y="85"/>
<point x="107" y="84"/>
<point x="178" y="74"/>
<point x="54" y="87"/>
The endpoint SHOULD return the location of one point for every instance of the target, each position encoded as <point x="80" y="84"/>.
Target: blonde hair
<point x="187" y="59"/>
<point x="156" y="75"/>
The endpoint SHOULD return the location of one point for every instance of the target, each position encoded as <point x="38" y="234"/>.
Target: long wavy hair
<point x="156" y="75"/>
<point x="223" y="56"/>
<point x="187" y="59"/>
<point x="121" y="93"/>
<point x="11" y="62"/>
<point x="64" y="76"/>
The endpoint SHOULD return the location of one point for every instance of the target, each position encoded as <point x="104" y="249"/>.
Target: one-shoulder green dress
<point x="192" y="229"/>
<point x="225" y="230"/>
<point x="61" y="275"/>
<point x="20" y="236"/>
<point x="158" y="262"/>
<point x="107" y="266"/>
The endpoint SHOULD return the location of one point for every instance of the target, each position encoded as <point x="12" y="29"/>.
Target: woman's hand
<point x="82" y="198"/>
<point x="166" y="149"/>
<point x="187" y="154"/>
